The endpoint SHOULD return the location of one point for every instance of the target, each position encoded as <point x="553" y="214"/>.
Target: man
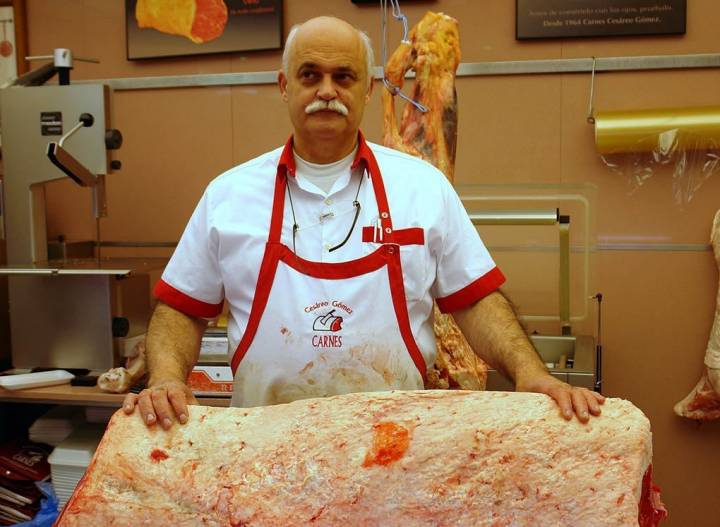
<point x="329" y="252"/>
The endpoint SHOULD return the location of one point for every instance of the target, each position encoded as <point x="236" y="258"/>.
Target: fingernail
<point x="183" y="418"/>
<point x="128" y="407"/>
<point x="568" y="414"/>
<point x="167" y="423"/>
<point x="150" y="418"/>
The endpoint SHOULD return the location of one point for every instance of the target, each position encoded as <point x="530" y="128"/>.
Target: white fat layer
<point x="270" y="465"/>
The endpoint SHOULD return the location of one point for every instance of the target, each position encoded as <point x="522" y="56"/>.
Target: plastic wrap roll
<point x="661" y="130"/>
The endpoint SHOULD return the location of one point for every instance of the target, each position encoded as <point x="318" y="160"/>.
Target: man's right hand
<point x="163" y="402"/>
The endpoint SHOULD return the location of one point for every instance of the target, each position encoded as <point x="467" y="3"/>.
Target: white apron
<point x="318" y="329"/>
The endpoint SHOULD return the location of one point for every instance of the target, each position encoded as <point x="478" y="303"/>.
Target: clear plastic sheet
<point x="680" y="143"/>
<point x="689" y="168"/>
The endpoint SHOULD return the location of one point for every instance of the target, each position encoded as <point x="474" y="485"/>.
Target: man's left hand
<point x="569" y="398"/>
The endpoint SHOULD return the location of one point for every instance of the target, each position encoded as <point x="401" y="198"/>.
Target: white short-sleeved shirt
<point x="219" y="255"/>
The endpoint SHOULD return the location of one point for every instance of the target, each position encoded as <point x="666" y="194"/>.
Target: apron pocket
<point x="414" y="259"/>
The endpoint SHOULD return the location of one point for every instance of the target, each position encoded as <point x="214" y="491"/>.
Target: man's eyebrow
<point x="308" y="65"/>
<point x="345" y="69"/>
<point x="340" y="69"/>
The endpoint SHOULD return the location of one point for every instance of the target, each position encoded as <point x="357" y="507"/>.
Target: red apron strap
<point x="278" y="208"/>
<point x="286" y="165"/>
<point x="372" y="167"/>
<point x="266" y="277"/>
<point x="397" y="290"/>
<point x="409" y="236"/>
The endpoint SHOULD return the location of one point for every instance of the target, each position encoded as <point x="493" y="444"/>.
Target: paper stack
<point x="71" y="458"/>
<point x="54" y="426"/>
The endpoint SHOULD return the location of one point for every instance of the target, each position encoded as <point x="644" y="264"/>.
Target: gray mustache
<point x="333" y="105"/>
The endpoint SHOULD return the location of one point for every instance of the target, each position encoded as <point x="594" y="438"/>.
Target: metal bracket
<point x="591" y="109"/>
<point x="76" y="171"/>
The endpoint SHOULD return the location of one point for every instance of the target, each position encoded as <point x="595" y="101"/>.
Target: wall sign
<point x="596" y="18"/>
<point x="169" y="28"/>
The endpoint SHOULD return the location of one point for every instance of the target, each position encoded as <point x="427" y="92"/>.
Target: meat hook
<point x="398" y="15"/>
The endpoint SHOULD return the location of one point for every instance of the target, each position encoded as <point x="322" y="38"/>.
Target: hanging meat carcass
<point x="703" y="402"/>
<point x="451" y="458"/>
<point x="433" y="52"/>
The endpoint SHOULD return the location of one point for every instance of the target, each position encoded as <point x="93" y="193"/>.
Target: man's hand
<point x="492" y="329"/>
<point x="163" y="402"/>
<point x="172" y="348"/>
<point x="583" y="401"/>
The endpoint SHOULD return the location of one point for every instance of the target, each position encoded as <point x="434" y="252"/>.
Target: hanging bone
<point x="703" y="402"/>
<point x="433" y="52"/>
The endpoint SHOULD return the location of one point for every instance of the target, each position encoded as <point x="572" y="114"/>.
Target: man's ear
<point x="370" y="90"/>
<point x="282" y="84"/>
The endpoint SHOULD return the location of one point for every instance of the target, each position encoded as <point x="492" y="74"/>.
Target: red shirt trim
<point x="184" y="303"/>
<point x="470" y="294"/>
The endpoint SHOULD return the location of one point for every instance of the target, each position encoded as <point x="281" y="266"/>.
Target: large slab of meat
<point x="703" y="402"/>
<point x="427" y="458"/>
<point x="433" y="53"/>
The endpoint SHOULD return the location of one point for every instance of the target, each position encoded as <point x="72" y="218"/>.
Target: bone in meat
<point x="703" y="402"/>
<point x="433" y="52"/>
<point x="423" y="458"/>
<point x="120" y="380"/>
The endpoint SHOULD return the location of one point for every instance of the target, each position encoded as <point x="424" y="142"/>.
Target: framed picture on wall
<point x="177" y="28"/>
<point x="13" y="40"/>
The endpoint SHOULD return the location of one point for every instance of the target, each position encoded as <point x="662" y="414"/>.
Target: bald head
<point x="326" y="83"/>
<point x="327" y="31"/>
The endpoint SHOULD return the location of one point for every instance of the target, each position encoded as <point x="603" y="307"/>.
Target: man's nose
<point x="326" y="90"/>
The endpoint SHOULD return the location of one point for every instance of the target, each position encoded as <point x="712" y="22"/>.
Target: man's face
<point x="326" y="86"/>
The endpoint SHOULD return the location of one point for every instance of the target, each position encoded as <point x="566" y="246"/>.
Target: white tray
<point x="35" y="380"/>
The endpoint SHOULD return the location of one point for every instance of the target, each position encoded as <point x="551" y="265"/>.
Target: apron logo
<point x="328" y="322"/>
<point x="331" y="324"/>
